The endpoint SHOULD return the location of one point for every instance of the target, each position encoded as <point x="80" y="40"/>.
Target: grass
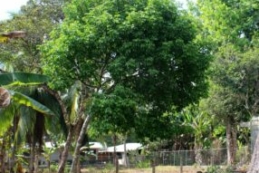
<point x="158" y="169"/>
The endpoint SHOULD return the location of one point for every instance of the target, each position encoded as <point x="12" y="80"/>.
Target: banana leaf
<point x="27" y="101"/>
<point x="19" y="79"/>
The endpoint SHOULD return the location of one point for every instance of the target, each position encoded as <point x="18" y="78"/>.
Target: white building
<point x="122" y="151"/>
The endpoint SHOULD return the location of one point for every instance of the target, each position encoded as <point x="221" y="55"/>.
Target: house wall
<point x="54" y="158"/>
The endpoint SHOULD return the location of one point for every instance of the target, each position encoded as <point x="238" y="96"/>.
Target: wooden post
<point x="115" y="154"/>
<point x="153" y="165"/>
<point x="181" y="164"/>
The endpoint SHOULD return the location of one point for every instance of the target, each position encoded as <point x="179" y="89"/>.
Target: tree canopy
<point x="147" y="47"/>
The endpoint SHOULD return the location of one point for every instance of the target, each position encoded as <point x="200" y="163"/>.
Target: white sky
<point x="7" y="6"/>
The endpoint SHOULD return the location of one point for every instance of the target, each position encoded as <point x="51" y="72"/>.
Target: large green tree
<point x="147" y="47"/>
<point x="231" y="26"/>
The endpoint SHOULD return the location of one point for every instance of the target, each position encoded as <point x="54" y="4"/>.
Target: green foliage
<point x="200" y="124"/>
<point x="54" y="168"/>
<point x="29" y="102"/>
<point x="229" y="21"/>
<point x="71" y="98"/>
<point x="37" y="19"/>
<point x="143" y="164"/>
<point x="214" y="169"/>
<point x="235" y="82"/>
<point x="28" y="107"/>
<point x="147" y="48"/>
<point x="231" y="25"/>
<point x="6" y="119"/>
<point x="109" y="167"/>
<point x="23" y="95"/>
<point x="114" y="112"/>
<point x="19" y="79"/>
<point x="218" y="169"/>
<point x="129" y="50"/>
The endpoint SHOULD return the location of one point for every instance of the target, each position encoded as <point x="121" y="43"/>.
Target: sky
<point x="12" y="6"/>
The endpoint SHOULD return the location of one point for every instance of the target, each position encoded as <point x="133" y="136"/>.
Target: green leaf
<point x="19" y="79"/>
<point x="27" y="101"/>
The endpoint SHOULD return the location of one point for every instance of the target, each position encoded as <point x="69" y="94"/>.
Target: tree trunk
<point x="153" y="164"/>
<point x="32" y="157"/>
<point x="125" y="153"/>
<point x="64" y="155"/>
<point x="78" y="166"/>
<point x="115" y="154"/>
<point x="36" y="162"/>
<point x="79" y="144"/>
<point x="254" y="166"/>
<point x="12" y="159"/>
<point x="48" y="162"/>
<point x="13" y="147"/>
<point x="198" y="155"/>
<point x="3" y="153"/>
<point x="231" y="142"/>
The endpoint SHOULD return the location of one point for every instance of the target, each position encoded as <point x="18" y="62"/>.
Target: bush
<point x="108" y="168"/>
<point x="218" y="169"/>
<point x="143" y="164"/>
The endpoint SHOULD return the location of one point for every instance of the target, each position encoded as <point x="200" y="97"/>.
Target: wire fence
<point x="202" y="157"/>
<point x="162" y="161"/>
<point x="174" y="158"/>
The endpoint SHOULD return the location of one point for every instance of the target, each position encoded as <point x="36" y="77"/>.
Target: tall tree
<point x="147" y="47"/>
<point x="231" y="25"/>
<point x="250" y="96"/>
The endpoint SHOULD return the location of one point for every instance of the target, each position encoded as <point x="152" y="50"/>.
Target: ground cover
<point x="158" y="169"/>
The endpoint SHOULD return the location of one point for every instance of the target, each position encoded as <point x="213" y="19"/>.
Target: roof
<point x="49" y="144"/>
<point x="92" y="145"/>
<point x="97" y="145"/>
<point x="120" y="148"/>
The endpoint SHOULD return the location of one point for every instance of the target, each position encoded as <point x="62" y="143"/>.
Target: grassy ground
<point x="158" y="169"/>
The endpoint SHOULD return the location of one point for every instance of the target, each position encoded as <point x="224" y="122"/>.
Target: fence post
<point x="153" y="164"/>
<point x="181" y="163"/>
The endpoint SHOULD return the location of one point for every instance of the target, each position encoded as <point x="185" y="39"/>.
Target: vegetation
<point x="140" y="70"/>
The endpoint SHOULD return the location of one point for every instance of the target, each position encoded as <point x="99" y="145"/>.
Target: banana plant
<point x="23" y="108"/>
<point x="199" y="123"/>
<point x="12" y="81"/>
